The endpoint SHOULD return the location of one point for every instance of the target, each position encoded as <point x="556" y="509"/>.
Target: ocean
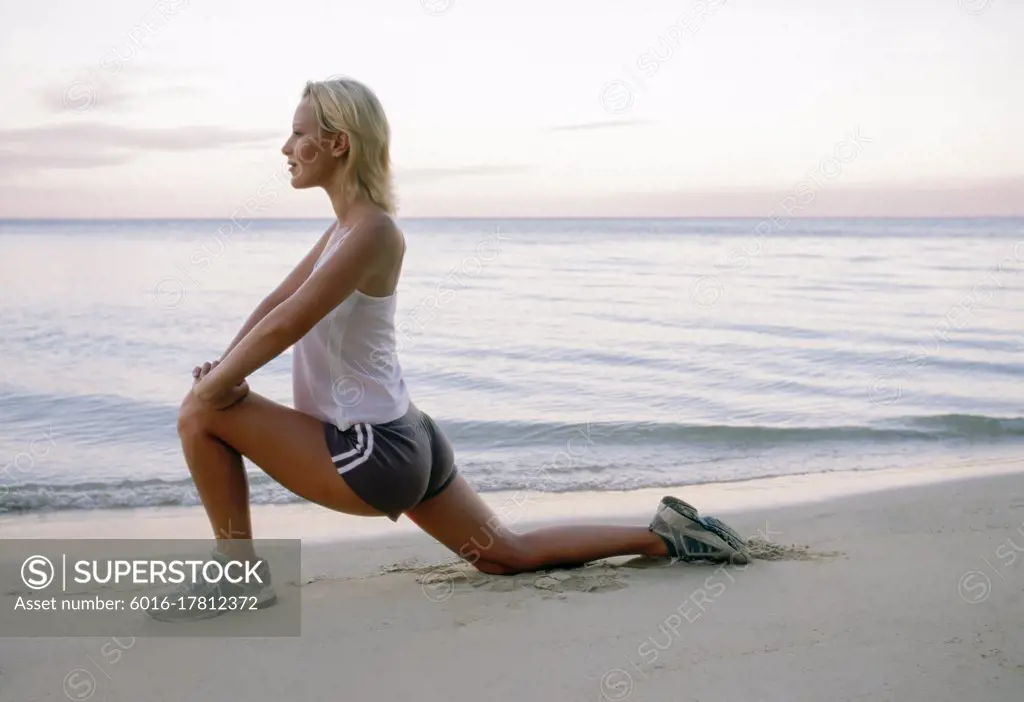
<point x="557" y="355"/>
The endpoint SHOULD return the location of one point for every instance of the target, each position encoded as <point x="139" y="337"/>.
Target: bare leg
<point x="463" y="522"/>
<point x="219" y="476"/>
<point x="285" y="443"/>
<point x="578" y="544"/>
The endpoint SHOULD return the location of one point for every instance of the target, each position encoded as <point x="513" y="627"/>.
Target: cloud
<point x="11" y="161"/>
<point x="95" y="136"/>
<point x="81" y="96"/>
<point x="609" y="124"/>
<point x="413" y="176"/>
<point x="75" y="96"/>
<point x="90" y="144"/>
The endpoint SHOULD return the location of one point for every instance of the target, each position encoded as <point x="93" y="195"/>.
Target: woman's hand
<point x="199" y="371"/>
<point x="229" y="398"/>
<point x="218" y="399"/>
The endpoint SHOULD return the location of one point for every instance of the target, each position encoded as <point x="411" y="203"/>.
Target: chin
<point x="298" y="182"/>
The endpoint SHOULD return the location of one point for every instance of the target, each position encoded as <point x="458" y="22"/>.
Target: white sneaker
<point x="690" y="537"/>
<point x="203" y="599"/>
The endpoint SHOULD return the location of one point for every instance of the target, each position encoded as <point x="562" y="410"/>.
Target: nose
<point x="287" y="148"/>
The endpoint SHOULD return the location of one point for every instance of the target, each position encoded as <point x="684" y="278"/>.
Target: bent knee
<point x="193" y="419"/>
<point x="507" y="557"/>
<point x="493" y="568"/>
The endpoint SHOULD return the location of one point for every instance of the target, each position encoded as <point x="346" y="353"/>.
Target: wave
<point x="969" y="425"/>
<point x="493" y="473"/>
<point x="633" y="433"/>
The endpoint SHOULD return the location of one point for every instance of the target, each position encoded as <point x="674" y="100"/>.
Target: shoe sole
<point x="729" y="535"/>
<point x="683" y="509"/>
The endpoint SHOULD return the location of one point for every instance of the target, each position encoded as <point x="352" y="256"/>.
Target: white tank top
<point x="345" y="369"/>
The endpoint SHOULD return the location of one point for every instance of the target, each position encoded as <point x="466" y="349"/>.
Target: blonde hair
<point x="346" y="105"/>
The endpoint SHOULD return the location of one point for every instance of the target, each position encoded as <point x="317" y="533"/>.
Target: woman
<point x="355" y="442"/>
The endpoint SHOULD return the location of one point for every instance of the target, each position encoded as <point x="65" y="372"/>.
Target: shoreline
<point x="317" y="525"/>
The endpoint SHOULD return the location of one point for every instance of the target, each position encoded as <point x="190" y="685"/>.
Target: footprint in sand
<point x="601" y="577"/>
<point x="587" y="579"/>
<point x="763" y="550"/>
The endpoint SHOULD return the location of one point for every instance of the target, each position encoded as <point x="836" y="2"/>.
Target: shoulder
<point x="379" y="237"/>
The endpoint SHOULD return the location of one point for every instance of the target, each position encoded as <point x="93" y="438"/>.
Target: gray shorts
<point x="396" y="465"/>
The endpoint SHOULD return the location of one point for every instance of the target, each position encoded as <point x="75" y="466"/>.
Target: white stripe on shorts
<point x="360" y="459"/>
<point x="356" y="450"/>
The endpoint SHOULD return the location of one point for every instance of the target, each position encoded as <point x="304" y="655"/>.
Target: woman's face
<point x="313" y="156"/>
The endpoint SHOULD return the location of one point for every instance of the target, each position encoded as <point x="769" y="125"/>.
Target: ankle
<point x="237" y="549"/>
<point x="659" y="547"/>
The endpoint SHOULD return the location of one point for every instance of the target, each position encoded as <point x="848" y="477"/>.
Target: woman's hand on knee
<point x="199" y="371"/>
<point x="227" y="399"/>
<point x="223" y="401"/>
<point x="197" y="415"/>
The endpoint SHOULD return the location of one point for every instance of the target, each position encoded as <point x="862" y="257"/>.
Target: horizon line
<point x="503" y="217"/>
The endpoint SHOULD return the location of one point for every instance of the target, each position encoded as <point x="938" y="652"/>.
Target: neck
<point x="347" y="206"/>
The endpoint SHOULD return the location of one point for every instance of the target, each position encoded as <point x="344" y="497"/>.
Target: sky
<point x="179" y="108"/>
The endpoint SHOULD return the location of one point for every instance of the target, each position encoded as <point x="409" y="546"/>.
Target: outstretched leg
<point x="463" y="522"/>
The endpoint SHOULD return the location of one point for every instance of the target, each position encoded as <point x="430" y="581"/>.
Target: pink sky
<point x="702" y="108"/>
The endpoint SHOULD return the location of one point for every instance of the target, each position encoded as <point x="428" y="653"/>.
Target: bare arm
<point x="282" y="292"/>
<point x="366" y="250"/>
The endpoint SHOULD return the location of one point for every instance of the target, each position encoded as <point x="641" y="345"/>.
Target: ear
<point x="339" y="144"/>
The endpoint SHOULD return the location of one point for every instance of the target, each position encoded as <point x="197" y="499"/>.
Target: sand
<point x="900" y="586"/>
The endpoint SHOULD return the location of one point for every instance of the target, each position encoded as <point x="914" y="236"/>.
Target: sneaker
<point x="690" y="537"/>
<point x="204" y="599"/>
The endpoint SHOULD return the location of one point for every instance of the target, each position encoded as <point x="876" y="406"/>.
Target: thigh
<point x="462" y="521"/>
<point x="290" y="447"/>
